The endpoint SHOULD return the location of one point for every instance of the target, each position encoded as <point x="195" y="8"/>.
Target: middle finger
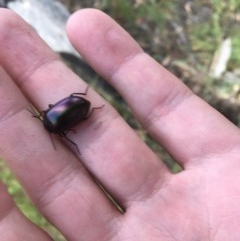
<point x="188" y="128"/>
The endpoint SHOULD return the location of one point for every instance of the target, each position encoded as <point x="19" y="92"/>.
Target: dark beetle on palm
<point x="61" y="117"/>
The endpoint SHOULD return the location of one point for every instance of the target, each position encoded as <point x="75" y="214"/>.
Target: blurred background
<point x="197" y="40"/>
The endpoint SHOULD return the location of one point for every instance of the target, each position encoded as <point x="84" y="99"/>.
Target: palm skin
<point x="200" y="203"/>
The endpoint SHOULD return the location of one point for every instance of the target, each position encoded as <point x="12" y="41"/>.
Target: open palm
<point x="200" y="203"/>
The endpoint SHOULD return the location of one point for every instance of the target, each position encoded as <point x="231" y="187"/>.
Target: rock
<point x="48" y="18"/>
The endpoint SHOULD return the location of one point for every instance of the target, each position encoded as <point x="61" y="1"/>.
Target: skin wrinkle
<point x="165" y="232"/>
<point x="10" y="114"/>
<point x="66" y="176"/>
<point x="170" y="104"/>
<point x="201" y="153"/>
<point x="165" y="201"/>
<point x="124" y="62"/>
<point x="149" y="194"/>
<point x="26" y="77"/>
<point x="223" y="219"/>
<point x="212" y="156"/>
<point x="112" y="39"/>
<point x="145" y="77"/>
<point x="8" y="100"/>
<point x="189" y="208"/>
<point x="81" y="196"/>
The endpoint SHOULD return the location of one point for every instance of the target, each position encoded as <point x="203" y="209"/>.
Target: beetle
<point x="62" y="116"/>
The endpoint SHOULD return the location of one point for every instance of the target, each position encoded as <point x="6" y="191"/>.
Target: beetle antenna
<point x="35" y="113"/>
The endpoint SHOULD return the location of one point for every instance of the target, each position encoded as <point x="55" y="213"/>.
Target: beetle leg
<point x="69" y="140"/>
<point x="51" y="138"/>
<point x="92" y="110"/>
<point x="79" y="93"/>
<point x="67" y="131"/>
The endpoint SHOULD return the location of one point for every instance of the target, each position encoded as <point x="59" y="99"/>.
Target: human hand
<point x="200" y="203"/>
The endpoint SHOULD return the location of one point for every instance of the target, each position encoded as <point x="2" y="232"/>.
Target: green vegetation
<point x="24" y="203"/>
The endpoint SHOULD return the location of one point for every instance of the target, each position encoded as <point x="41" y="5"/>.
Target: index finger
<point x="179" y="120"/>
<point x="110" y="150"/>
